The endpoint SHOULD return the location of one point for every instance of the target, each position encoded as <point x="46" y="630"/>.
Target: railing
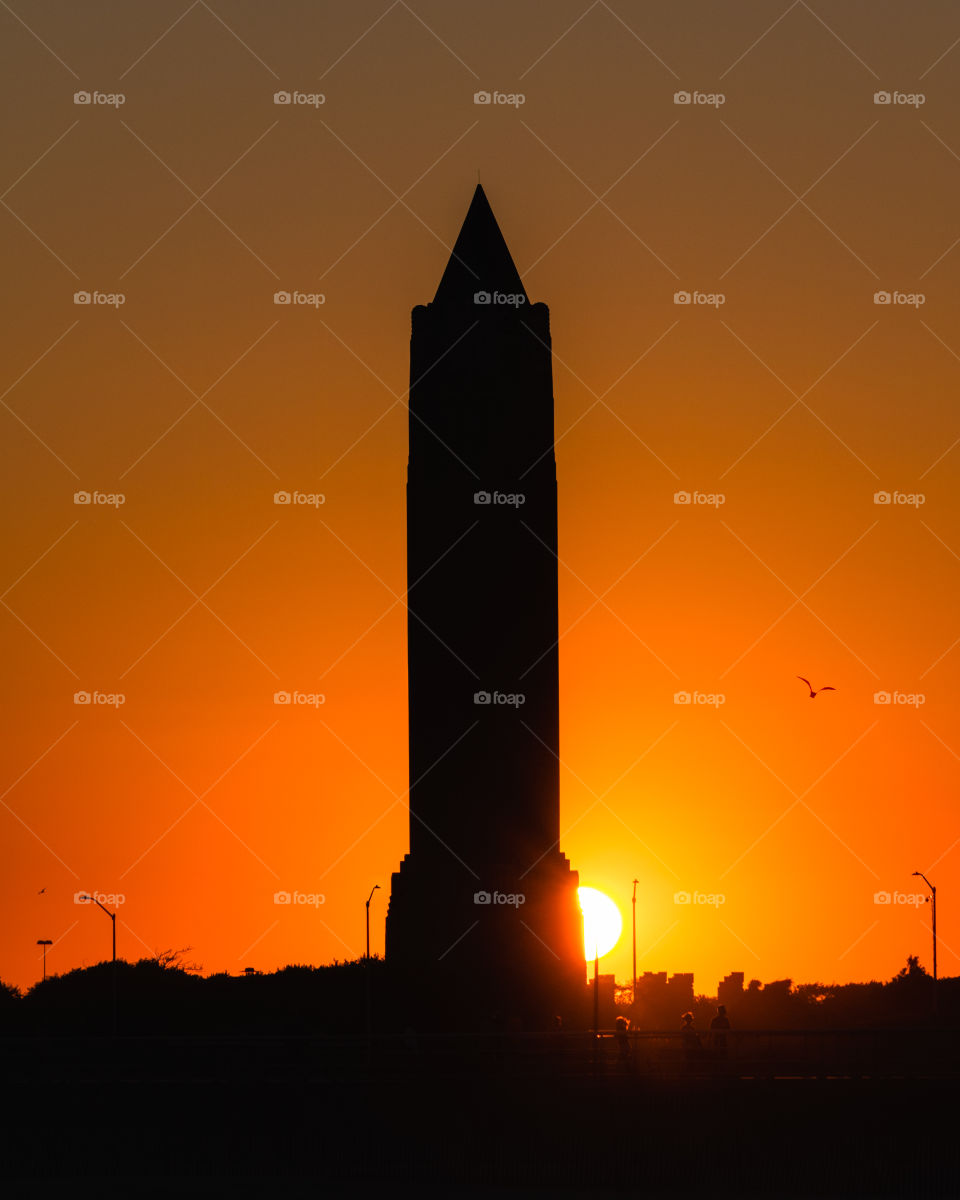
<point x="814" y="1053"/>
<point x="806" y="1053"/>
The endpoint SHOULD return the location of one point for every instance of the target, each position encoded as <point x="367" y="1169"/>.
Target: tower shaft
<point x="484" y="887"/>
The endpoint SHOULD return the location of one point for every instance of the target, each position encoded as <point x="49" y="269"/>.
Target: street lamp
<point x="633" y="993"/>
<point x="369" y="898"/>
<point x="933" y="913"/>
<point x="596" y="1005"/>
<point x="113" y="922"/>
<point x="368" y="996"/>
<point x="44" y="942"/>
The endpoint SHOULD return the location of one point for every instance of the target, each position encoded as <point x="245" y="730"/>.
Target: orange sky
<point x="797" y="400"/>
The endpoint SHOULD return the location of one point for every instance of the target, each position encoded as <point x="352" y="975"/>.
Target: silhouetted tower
<point x="483" y="639"/>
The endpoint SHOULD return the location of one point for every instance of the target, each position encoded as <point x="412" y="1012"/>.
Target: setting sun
<point x="602" y="922"/>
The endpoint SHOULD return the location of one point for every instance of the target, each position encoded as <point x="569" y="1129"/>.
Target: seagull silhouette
<point x="42" y="890"/>
<point x="813" y="694"/>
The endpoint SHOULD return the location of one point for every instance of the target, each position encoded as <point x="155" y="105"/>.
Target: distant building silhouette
<point x="679" y="990"/>
<point x="661" y="998"/>
<point x="652" y="984"/>
<point x="730" y="988"/>
<point x="484" y="888"/>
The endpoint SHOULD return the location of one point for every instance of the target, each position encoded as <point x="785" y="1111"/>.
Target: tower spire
<point x="480" y="261"/>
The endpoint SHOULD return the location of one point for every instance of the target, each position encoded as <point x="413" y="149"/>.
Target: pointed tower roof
<point x="480" y="261"/>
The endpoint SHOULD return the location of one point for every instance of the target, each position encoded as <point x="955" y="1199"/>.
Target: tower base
<point x="510" y="943"/>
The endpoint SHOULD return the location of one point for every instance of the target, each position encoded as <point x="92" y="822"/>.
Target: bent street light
<point x="933" y="914"/>
<point x="369" y="898"/>
<point x="113" y="920"/>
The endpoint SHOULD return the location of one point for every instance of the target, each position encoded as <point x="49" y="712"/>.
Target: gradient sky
<point x="797" y="400"/>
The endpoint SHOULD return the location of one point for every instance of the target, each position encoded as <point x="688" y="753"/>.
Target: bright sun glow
<point x="602" y="922"/>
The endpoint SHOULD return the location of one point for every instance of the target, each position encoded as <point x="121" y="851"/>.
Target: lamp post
<point x="596" y="1005"/>
<point x="113" y="922"/>
<point x="633" y="902"/>
<point x="368" y="995"/>
<point x="44" y="942"/>
<point x="369" y="898"/>
<point x="933" y="914"/>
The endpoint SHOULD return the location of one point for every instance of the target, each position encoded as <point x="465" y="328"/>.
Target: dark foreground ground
<point x="290" y="1117"/>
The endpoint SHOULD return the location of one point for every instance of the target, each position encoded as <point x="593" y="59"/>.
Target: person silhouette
<point x="691" y="1039"/>
<point x="718" y="1026"/>
<point x="623" y="1042"/>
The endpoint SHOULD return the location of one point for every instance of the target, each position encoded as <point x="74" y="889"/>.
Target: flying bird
<point x="828" y="688"/>
<point x="42" y="890"/>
